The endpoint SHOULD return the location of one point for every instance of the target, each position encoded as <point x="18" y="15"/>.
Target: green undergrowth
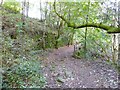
<point x="22" y="55"/>
<point x="23" y="71"/>
<point x="24" y="74"/>
<point x="34" y="29"/>
<point x="21" y="66"/>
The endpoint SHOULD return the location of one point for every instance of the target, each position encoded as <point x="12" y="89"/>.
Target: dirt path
<point x="63" y="71"/>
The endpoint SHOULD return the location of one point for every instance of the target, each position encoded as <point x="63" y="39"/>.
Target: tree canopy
<point x="109" y="29"/>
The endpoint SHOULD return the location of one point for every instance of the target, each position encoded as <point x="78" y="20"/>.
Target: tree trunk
<point x="27" y="8"/>
<point x="119" y="44"/>
<point x="43" y="40"/>
<point x="1" y="2"/>
<point x="118" y="61"/>
<point x="85" y="45"/>
<point x="59" y="25"/>
<point x="23" y="14"/>
<point x="1" y="47"/>
<point x="72" y="37"/>
<point x="115" y="47"/>
<point x="119" y="48"/>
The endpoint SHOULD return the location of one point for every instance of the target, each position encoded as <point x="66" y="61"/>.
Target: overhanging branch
<point x="96" y="25"/>
<point x="54" y="5"/>
<point x="109" y="29"/>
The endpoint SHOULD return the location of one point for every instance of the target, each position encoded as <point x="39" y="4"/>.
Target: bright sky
<point x="34" y="11"/>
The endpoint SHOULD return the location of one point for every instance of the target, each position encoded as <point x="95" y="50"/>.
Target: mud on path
<point x="63" y="71"/>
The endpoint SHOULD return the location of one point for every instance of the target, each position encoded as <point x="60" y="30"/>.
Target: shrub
<point x="12" y="6"/>
<point x="24" y="75"/>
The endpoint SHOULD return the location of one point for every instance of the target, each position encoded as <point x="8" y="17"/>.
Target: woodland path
<point x="63" y="71"/>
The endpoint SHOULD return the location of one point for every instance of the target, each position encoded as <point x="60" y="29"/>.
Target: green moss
<point x="96" y="25"/>
<point x="114" y="30"/>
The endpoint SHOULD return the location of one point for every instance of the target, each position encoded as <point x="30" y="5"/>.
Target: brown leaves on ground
<point x="62" y="70"/>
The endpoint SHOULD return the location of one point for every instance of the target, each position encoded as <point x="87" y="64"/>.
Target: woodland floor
<point x="63" y="71"/>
